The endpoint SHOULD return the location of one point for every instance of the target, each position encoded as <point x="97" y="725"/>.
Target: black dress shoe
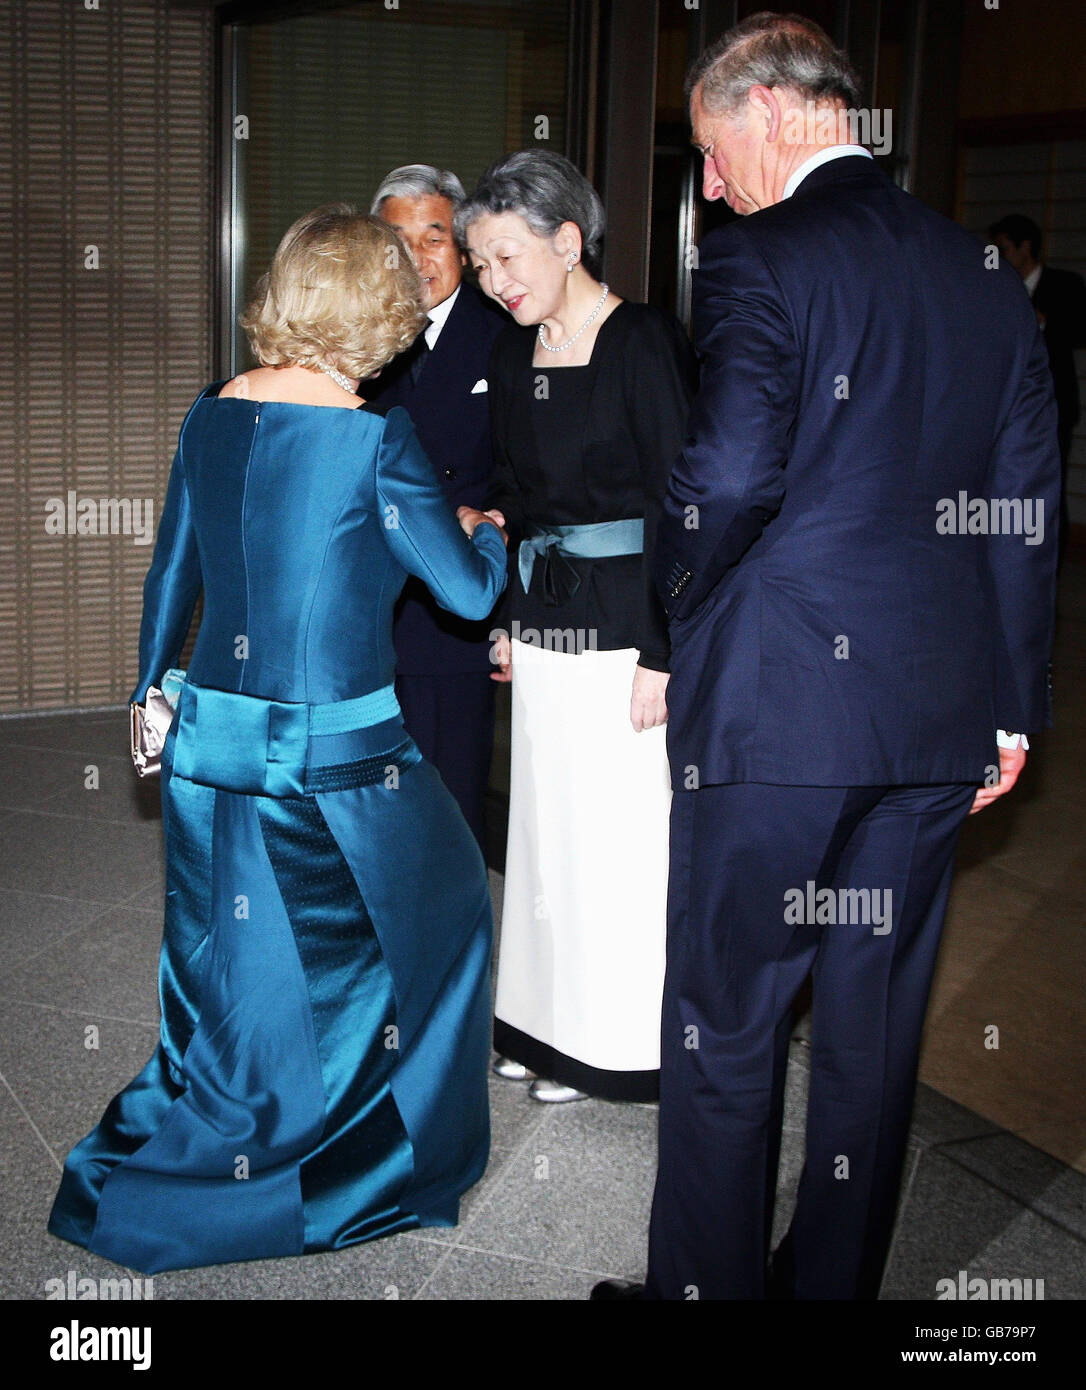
<point x="617" y="1288"/>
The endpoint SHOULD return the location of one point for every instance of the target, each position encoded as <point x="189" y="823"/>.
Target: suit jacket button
<point x="450" y="472"/>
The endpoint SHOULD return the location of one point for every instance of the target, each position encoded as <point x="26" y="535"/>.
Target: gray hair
<point x="772" y="50"/>
<point x="546" y="190"/>
<point x="418" y="181"/>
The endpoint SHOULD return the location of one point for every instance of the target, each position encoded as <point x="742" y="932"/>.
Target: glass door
<point x="319" y="102"/>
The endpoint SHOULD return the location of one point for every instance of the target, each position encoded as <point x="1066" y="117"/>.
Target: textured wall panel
<point x="108" y="115"/>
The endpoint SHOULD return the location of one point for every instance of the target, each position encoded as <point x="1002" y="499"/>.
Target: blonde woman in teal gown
<point x="324" y="979"/>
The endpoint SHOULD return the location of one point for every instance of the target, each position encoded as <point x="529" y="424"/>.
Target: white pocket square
<point x="480" y="385"/>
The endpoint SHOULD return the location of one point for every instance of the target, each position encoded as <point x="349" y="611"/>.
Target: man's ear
<point x="768" y="107"/>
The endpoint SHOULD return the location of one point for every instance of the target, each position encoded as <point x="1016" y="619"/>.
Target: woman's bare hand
<point x="648" y="705"/>
<point x="470" y="517"/>
<point x="501" y="654"/>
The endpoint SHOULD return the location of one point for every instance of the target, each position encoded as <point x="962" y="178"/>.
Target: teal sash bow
<point x="591" y="542"/>
<point x="243" y="743"/>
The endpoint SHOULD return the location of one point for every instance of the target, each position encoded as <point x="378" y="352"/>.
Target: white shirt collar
<point x="816" y="161"/>
<point x="438" y="317"/>
<point x="1032" y="278"/>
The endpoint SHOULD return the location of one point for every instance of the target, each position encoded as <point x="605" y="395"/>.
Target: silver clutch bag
<point x="151" y="723"/>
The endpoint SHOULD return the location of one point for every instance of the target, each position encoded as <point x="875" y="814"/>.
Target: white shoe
<point x="512" y="1071"/>
<point x="554" y="1091"/>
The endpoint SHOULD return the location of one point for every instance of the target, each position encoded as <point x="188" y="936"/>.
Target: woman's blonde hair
<point x="341" y="290"/>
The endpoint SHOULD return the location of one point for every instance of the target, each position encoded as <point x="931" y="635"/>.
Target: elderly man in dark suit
<point x="844" y="651"/>
<point x="443" y="666"/>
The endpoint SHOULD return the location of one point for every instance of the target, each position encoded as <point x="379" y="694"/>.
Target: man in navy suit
<point x="443" y="666"/>
<point x="858" y="557"/>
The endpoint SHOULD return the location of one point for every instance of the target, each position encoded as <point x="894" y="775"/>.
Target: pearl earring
<point x="572" y="263"/>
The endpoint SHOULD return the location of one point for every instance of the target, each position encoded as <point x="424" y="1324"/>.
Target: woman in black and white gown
<point x="589" y="395"/>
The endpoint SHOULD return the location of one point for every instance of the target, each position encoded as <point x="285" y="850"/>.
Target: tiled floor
<point x="565" y="1199"/>
<point x="1014" y="949"/>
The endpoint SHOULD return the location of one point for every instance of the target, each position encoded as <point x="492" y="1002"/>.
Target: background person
<point x="1059" y="300"/>
<point x="443" y="664"/>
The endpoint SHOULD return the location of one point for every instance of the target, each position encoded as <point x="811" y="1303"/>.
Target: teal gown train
<point x="321" y="1073"/>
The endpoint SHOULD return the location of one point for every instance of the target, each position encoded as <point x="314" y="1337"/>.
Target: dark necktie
<point x="422" y="352"/>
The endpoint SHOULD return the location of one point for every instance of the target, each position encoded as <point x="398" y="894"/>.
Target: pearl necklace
<point x="570" y="341"/>
<point x="337" y="377"/>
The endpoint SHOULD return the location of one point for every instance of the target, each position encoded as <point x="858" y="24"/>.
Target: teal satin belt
<point x="243" y="743"/>
<point x="598" y="540"/>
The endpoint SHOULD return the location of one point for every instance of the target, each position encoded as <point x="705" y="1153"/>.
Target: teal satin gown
<point x="324" y="979"/>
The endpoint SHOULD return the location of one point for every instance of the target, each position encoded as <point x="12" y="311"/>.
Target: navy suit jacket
<point x="861" y="369"/>
<point x="453" y="424"/>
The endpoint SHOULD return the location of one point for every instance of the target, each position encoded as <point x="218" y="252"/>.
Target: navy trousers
<point x="746" y="924"/>
<point x="451" y="718"/>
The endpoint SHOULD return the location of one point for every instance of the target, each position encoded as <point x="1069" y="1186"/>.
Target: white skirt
<point x="581" y="962"/>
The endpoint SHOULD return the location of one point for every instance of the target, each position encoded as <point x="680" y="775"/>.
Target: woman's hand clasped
<point x="648" y="705"/>
<point x="470" y="517"/>
<point x="502" y="656"/>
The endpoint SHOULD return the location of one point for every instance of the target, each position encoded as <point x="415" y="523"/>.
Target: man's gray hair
<point x="772" y="50"/>
<point x="418" y="181"/>
<point x="546" y="190"/>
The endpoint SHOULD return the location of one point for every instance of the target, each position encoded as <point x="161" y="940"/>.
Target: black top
<point x="577" y="445"/>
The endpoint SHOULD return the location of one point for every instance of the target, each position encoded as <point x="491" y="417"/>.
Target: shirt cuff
<point x="1011" y="741"/>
